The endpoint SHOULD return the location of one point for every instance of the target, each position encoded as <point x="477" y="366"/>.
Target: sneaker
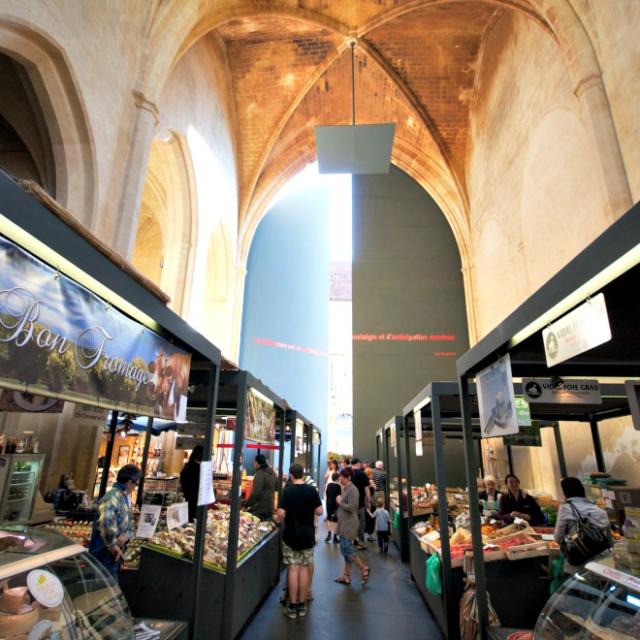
<point x="302" y="609"/>
<point x="328" y="538"/>
<point x="291" y="611"/>
<point x="336" y="539"/>
<point x="370" y="539"/>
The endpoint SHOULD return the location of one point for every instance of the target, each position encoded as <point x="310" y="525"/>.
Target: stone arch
<point x="165" y="235"/>
<point x="56" y="90"/>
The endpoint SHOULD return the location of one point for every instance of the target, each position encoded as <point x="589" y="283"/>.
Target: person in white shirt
<point x="575" y="496"/>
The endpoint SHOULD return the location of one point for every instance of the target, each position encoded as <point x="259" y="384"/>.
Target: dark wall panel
<point x="409" y="319"/>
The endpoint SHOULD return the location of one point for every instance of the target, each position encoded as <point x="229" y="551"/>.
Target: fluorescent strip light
<point x="261" y="396"/>
<point x="607" y="275"/>
<point x="56" y="261"/>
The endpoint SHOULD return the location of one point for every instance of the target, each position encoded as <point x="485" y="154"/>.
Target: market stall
<point x="240" y="563"/>
<point x="582" y="322"/>
<point x="79" y="324"/>
<point x="433" y="417"/>
<point x="391" y="434"/>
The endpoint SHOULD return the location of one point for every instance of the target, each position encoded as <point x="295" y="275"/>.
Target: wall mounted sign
<point x="260" y="422"/>
<point x="522" y="411"/>
<point x="633" y="394"/>
<point x="496" y="400"/>
<point x="60" y="340"/>
<point x="582" y="329"/>
<point x="544" y="391"/>
<point x="527" y="437"/>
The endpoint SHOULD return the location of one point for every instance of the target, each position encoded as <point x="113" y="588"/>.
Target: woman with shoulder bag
<point x="582" y="529"/>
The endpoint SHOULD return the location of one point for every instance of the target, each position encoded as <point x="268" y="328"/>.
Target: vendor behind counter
<point x="518" y="504"/>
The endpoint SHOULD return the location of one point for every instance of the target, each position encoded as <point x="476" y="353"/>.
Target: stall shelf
<point x="226" y="598"/>
<point x="610" y="265"/>
<point x="40" y="227"/>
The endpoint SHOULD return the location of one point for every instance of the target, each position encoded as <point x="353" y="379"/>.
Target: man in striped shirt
<point x="380" y="478"/>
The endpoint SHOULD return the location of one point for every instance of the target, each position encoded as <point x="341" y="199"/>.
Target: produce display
<point x="78" y="531"/>
<point x="181" y="541"/>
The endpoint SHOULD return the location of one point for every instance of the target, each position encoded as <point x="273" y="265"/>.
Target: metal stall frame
<point x="609" y="265"/>
<point x="233" y="616"/>
<point x="401" y="535"/>
<point x="294" y="417"/>
<point x="42" y="227"/>
<point x="439" y="408"/>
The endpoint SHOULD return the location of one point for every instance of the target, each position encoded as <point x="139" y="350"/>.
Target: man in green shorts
<point x="299" y="504"/>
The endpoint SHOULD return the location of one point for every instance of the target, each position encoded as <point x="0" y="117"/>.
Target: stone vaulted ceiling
<point x="415" y="65"/>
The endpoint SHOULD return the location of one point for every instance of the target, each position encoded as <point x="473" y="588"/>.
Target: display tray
<point x="210" y="565"/>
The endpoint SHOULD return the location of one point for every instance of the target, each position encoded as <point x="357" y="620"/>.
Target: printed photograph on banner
<point x="496" y="399"/>
<point x="260" y="421"/>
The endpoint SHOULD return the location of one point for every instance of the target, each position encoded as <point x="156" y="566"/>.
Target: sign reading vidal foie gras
<point x="60" y="340"/>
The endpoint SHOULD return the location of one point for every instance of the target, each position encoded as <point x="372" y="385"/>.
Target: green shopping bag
<point x="396" y="520"/>
<point x="557" y="573"/>
<point x="433" y="577"/>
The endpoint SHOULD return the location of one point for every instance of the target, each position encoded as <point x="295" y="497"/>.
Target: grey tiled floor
<point x="388" y="606"/>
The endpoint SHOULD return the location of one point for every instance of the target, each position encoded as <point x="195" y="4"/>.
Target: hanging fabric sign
<point x="496" y="400"/>
<point x="60" y="340"/>
<point x="260" y="422"/>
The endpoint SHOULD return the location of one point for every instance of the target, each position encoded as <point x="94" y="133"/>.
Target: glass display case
<point x="52" y="588"/>
<point x="596" y="603"/>
<point x="19" y="478"/>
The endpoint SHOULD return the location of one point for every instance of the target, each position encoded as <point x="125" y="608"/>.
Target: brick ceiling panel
<point x="270" y="61"/>
<point x="352" y="12"/>
<point x="435" y="50"/>
<point x="378" y="100"/>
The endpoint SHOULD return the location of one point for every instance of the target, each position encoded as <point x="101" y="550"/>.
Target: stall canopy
<point x="609" y="266"/>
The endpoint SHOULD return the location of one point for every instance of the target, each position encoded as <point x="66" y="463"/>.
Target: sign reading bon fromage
<point x="60" y="340"/>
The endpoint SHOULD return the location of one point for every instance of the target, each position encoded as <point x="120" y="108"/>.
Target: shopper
<point x="299" y="504"/>
<point x="260" y="502"/>
<point x="113" y="525"/>
<point x="380" y="478"/>
<point x="489" y="497"/>
<point x="576" y="505"/>
<point x="348" y="528"/>
<point x="332" y="467"/>
<point x="369" y="522"/>
<point x="381" y="517"/>
<point x="518" y="504"/>
<point x="361" y="483"/>
<point x="332" y="491"/>
<point x="190" y="480"/>
<point x="346" y="462"/>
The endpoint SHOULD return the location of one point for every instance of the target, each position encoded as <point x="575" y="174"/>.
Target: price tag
<point x="177" y="515"/>
<point x="205" y="490"/>
<point x="45" y="587"/>
<point x="149" y="517"/>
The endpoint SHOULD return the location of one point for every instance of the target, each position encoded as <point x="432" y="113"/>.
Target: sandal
<point x="343" y="580"/>
<point x="364" y="575"/>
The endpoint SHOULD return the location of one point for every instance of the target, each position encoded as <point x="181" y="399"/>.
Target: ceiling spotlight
<point x="356" y="149"/>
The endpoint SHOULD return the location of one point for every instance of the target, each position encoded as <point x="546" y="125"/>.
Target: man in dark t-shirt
<point x="361" y="482"/>
<point x="299" y="504"/>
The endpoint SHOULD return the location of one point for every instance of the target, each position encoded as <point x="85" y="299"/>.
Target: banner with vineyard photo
<point x="60" y="340"/>
<point x="260" y="422"/>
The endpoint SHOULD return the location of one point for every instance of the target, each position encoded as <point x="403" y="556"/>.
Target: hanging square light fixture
<point x="357" y="149"/>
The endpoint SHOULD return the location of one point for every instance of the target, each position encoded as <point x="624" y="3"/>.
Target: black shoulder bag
<point x="583" y="541"/>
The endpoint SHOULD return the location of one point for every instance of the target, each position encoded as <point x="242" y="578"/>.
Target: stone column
<point x="592" y="95"/>
<point x="146" y="120"/>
